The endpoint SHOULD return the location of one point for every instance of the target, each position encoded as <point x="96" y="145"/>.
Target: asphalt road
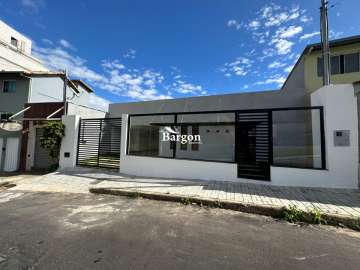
<point x="85" y="231"/>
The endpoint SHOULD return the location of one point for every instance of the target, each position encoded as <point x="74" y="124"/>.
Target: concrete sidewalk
<point x="340" y="202"/>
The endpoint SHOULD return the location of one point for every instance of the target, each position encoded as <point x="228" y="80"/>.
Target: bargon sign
<point x="173" y="135"/>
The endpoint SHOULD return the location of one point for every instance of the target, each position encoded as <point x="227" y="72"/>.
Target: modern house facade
<point x="301" y="135"/>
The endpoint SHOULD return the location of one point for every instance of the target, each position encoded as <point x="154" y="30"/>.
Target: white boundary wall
<point x="340" y="113"/>
<point x="70" y="141"/>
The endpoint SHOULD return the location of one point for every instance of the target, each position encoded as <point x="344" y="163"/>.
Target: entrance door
<point x="12" y="154"/>
<point x="42" y="158"/>
<point x="253" y="145"/>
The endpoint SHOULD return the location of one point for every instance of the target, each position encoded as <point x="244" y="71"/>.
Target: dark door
<point x="253" y="145"/>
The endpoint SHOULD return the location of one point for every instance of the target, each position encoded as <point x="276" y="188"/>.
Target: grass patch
<point x="134" y="195"/>
<point x="292" y="214"/>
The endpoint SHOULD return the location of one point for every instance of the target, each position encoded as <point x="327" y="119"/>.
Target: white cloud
<point x="276" y="64"/>
<point x="283" y="46"/>
<point x="115" y="64"/>
<point x="47" y="41"/>
<point x="33" y="6"/>
<point x="275" y="79"/>
<point x="288" y="32"/>
<point x="59" y="59"/>
<point x="131" y="54"/>
<point x="309" y="35"/>
<point x="234" y="23"/>
<point x="254" y="25"/>
<point x="115" y="77"/>
<point x="187" y="88"/>
<point x="66" y="44"/>
<point x="240" y="67"/>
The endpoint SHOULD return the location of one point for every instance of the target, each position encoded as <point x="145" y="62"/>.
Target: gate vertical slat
<point x="99" y="143"/>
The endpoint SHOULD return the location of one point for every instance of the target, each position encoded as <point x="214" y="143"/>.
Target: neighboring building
<point x="345" y="64"/>
<point x="33" y="98"/>
<point x="15" y="51"/>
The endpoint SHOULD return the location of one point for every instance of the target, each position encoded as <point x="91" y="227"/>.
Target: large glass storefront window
<point x="146" y="136"/>
<point x="216" y="132"/>
<point x="297" y="138"/>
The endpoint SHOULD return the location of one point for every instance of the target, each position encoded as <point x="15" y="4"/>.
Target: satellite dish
<point x="11" y="126"/>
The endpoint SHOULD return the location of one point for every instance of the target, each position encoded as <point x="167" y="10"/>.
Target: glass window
<point x="351" y="63"/>
<point x="184" y="131"/>
<point x="9" y="86"/>
<point x="195" y="132"/>
<point x="14" y="41"/>
<point x="335" y="65"/>
<point x="297" y="138"/>
<point x="216" y="133"/>
<point x="320" y="67"/>
<point x="5" y="116"/>
<point x="147" y="135"/>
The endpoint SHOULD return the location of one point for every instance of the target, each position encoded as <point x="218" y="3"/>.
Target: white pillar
<point x="68" y="149"/>
<point x="340" y="114"/>
<point x="124" y="128"/>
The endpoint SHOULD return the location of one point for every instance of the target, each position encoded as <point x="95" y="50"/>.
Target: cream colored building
<point x="345" y="64"/>
<point x="15" y="51"/>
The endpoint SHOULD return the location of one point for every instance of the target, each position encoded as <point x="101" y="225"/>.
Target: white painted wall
<point x="69" y="141"/>
<point x="340" y="113"/>
<point x="16" y="58"/>
<point x="84" y="112"/>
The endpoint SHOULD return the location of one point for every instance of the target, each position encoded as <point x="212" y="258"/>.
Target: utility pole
<point x="64" y="91"/>
<point x="324" y="26"/>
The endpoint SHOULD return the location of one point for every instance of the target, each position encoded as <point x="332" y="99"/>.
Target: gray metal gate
<point x="99" y="143"/>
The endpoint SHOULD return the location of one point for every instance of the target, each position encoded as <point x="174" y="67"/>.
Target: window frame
<point x="3" y="86"/>
<point x="16" y="40"/>
<point x="235" y="161"/>
<point x="358" y="56"/>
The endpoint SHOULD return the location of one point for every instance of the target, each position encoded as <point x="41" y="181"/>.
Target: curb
<point x="265" y="210"/>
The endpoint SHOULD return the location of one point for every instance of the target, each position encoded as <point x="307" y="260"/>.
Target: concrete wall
<point x="84" y="112"/>
<point x="340" y="113"/>
<point x="48" y="89"/>
<point x="69" y="141"/>
<point x="238" y="101"/>
<point x="14" y="102"/>
<point x="16" y="58"/>
<point x="7" y="32"/>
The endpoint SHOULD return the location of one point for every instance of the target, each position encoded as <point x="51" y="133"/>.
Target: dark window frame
<point x="342" y="69"/>
<point x="195" y="131"/>
<point x="14" y="42"/>
<point x="8" y="81"/>
<point x="322" y="133"/>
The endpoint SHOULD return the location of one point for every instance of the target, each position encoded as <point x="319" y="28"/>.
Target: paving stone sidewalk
<point x="331" y="201"/>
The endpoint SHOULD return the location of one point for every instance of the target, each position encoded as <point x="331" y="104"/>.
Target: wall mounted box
<point x="341" y="137"/>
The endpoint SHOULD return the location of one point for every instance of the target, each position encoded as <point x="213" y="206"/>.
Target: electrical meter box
<point x="341" y="137"/>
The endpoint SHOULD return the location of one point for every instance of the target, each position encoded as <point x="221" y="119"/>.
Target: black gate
<point x="99" y="143"/>
<point x="253" y="141"/>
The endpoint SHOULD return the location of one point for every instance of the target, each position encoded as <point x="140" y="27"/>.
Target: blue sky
<point x="130" y="50"/>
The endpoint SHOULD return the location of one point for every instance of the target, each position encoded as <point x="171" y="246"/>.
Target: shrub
<point x="54" y="131"/>
<point x="293" y="214"/>
<point x="317" y="217"/>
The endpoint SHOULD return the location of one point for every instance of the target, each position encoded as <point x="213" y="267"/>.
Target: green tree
<point x="53" y="132"/>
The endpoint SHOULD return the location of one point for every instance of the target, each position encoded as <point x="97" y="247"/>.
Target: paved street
<point x="332" y="201"/>
<point x="86" y="231"/>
